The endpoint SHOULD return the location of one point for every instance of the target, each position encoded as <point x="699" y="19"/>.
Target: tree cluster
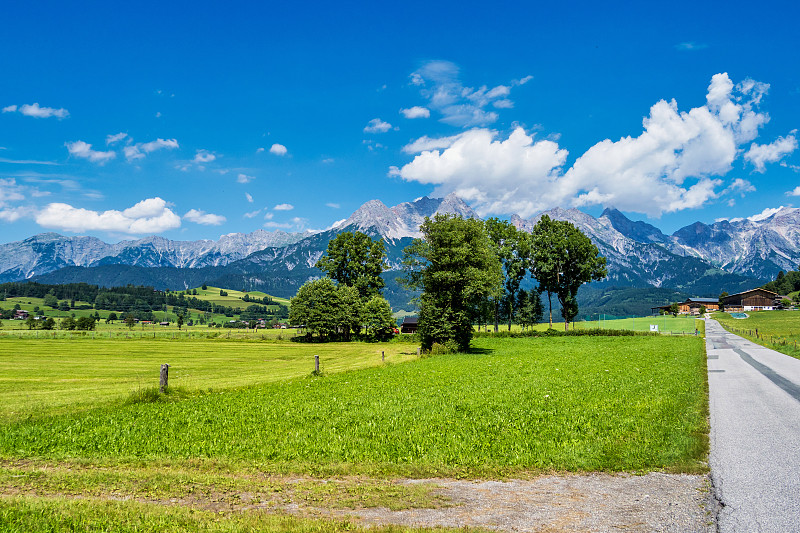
<point x="348" y="300"/>
<point x="468" y="268"/>
<point x="785" y="282"/>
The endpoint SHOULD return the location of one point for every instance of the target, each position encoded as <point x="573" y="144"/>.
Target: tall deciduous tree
<point x="326" y="309"/>
<point x="455" y="266"/>
<point x="355" y="260"/>
<point x="512" y="247"/>
<point x="563" y="259"/>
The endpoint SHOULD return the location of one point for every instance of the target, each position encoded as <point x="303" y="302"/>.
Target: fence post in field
<point x="316" y="364"/>
<point x="383" y="357"/>
<point x="163" y="382"/>
<point x="417" y="350"/>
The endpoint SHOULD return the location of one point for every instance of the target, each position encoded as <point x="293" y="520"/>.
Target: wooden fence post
<point x="383" y="357"/>
<point x="316" y="364"/>
<point x="164" y="381"/>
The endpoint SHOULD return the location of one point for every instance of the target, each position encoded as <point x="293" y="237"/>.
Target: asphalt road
<point x="755" y="434"/>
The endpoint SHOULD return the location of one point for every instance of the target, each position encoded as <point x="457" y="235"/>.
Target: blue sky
<point x="191" y="120"/>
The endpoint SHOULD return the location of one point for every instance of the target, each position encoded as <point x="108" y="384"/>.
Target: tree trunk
<point x="550" y="305"/>
<point x="510" y="312"/>
<point x="496" y="315"/>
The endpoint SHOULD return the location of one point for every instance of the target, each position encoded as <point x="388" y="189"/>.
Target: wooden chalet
<point x="691" y="306"/>
<point x="409" y="325"/>
<point x="752" y="300"/>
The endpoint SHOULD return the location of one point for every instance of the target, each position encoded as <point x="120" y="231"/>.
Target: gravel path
<point x="593" y="502"/>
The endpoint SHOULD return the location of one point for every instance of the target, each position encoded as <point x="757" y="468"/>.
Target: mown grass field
<point x="44" y="376"/>
<point x="234" y="298"/>
<point x="778" y="330"/>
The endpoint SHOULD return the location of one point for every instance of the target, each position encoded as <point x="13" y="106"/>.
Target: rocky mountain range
<point x="699" y="259"/>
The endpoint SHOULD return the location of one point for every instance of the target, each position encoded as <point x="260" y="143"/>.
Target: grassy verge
<point x="777" y="330"/>
<point x="27" y="514"/>
<point x="511" y="406"/>
<point x="206" y="485"/>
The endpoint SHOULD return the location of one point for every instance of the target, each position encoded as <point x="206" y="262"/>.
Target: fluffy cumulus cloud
<point x="416" y="112"/>
<point x="440" y="84"/>
<point x="244" y="178"/>
<point x="377" y="125"/>
<point x="148" y="216"/>
<point x="794" y="192"/>
<point x="675" y="163"/>
<point x="278" y="149"/>
<point x="84" y="151"/>
<point x="203" y="156"/>
<point x="283" y="207"/>
<point x="37" y="111"/>
<point x="140" y="150"/>
<point x="495" y="175"/>
<point x="761" y="154"/>
<point x="201" y="217"/>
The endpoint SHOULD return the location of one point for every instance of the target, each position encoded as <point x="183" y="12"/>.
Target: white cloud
<point x="148" y="216"/>
<point x="688" y="46"/>
<point x="252" y="214"/>
<point x="460" y="105"/>
<point x="249" y="197"/>
<point x="201" y="217"/>
<point x="416" y="112"/>
<point x="672" y="165"/>
<point x="328" y="160"/>
<point x="203" y="156"/>
<point x="376" y="125"/>
<point x="111" y="139"/>
<point x="139" y="150"/>
<point x="426" y="143"/>
<point x="794" y="192"/>
<point x="259" y="150"/>
<point x="333" y="205"/>
<point x="761" y="154"/>
<point x="36" y="111"/>
<point x="765" y="214"/>
<point x="244" y="178"/>
<point x="283" y="207"/>
<point x="278" y="149"/>
<point x="12" y="214"/>
<point x="278" y="225"/>
<point x="10" y="191"/>
<point x="84" y="151"/>
<point x="740" y="186"/>
<point x="269" y="216"/>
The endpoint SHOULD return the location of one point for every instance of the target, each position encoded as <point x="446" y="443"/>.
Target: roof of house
<point x="703" y="300"/>
<point x="751" y="290"/>
<point x="411" y="320"/>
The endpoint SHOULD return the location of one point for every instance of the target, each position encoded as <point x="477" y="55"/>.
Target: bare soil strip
<point x="581" y="502"/>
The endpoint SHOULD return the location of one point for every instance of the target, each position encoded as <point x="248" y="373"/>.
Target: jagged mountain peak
<point x="639" y="231"/>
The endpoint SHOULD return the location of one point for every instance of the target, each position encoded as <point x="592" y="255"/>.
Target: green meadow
<point x="577" y="404"/>
<point x="87" y="443"/>
<point x="778" y="330"/>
